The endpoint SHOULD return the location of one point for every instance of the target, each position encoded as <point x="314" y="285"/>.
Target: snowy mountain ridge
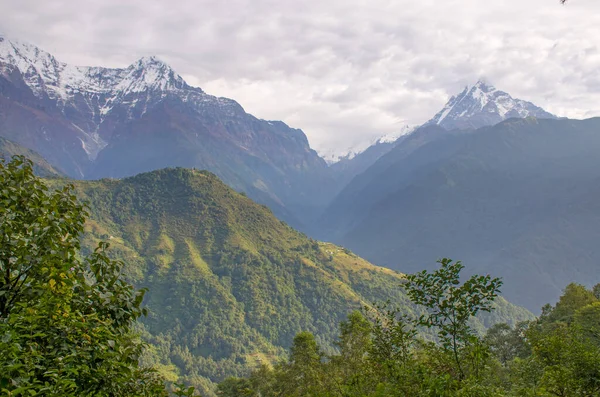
<point x="45" y="74"/>
<point x="336" y="155"/>
<point x="101" y="93"/>
<point x="482" y="104"/>
<point x="98" y="122"/>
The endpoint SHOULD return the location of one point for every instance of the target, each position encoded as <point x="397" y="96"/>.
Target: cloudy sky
<point x="345" y="71"/>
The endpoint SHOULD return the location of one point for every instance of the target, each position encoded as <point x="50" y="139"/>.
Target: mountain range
<point x="483" y="165"/>
<point x="478" y="105"/>
<point x="94" y="122"/>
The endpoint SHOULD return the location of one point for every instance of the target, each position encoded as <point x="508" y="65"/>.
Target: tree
<point x="392" y="340"/>
<point x="570" y="361"/>
<point x="39" y="235"/>
<point x="507" y="343"/>
<point x="574" y="297"/>
<point x="450" y="305"/>
<point x="66" y="322"/>
<point x="350" y="371"/>
<point x="304" y="366"/>
<point x="596" y="291"/>
<point x="587" y="319"/>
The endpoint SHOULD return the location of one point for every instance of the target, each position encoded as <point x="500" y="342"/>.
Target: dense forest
<point x="380" y="353"/>
<point x="69" y="315"/>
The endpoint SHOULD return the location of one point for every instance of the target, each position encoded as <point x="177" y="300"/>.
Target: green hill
<point x="229" y="284"/>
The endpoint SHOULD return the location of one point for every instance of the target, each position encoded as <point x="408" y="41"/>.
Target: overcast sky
<point x="345" y="71"/>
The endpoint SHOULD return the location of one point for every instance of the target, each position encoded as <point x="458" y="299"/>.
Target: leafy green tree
<point x="574" y="297"/>
<point x="587" y="319"/>
<point x="39" y="235"/>
<point x="570" y="361"/>
<point x="235" y="387"/>
<point x="596" y="291"/>
<point x="303" y="371"/>
<point x="355" y="339"/>
<point x="66" y="323"/>
<point x="349" y="371"/>
<point x="450" y="305"/>
<point x="507" y="343"/>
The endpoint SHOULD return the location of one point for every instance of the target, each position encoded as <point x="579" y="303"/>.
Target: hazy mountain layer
<point x="519" y="200"/>
<point x="40" y="166"/>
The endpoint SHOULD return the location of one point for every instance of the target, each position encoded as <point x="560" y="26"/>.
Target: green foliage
<point x="66" y="323"/>
<point x="507" y="343"/>
<point x="302" y="374"/>
<point x="575" y="297"/>
<point x="587" y="319"/>
<point x="450" y="305"/>
<point x="379" y="354"/>
<point x="392" y="337"/>
<point x="39" y="234"/>
<point x="570" y="362"/>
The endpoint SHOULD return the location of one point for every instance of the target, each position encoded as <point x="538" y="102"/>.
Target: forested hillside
<point x="229" y="284"/>
<point x="379" y="355"/>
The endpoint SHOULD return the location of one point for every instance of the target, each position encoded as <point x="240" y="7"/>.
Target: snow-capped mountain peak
<point x="482" y="104"/>
<point x="39" y="69"/>
<point x="44" y="74"/>
<point x="95" y="91"/>
<point x="150" y="73"/>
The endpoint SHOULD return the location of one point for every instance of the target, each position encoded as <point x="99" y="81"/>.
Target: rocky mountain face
<point x="376" y="180"/>
<point x="481" y="105"/>
<point x="94" y="122"/>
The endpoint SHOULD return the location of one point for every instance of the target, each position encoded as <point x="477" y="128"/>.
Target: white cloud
<point x="343" y="71"/>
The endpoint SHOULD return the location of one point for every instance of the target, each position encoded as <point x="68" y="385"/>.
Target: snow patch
<point x="393" y="137"/>
<point x="335" y="155"/>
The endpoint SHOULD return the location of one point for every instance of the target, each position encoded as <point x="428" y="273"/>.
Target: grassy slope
<point x="230" y="284"/>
